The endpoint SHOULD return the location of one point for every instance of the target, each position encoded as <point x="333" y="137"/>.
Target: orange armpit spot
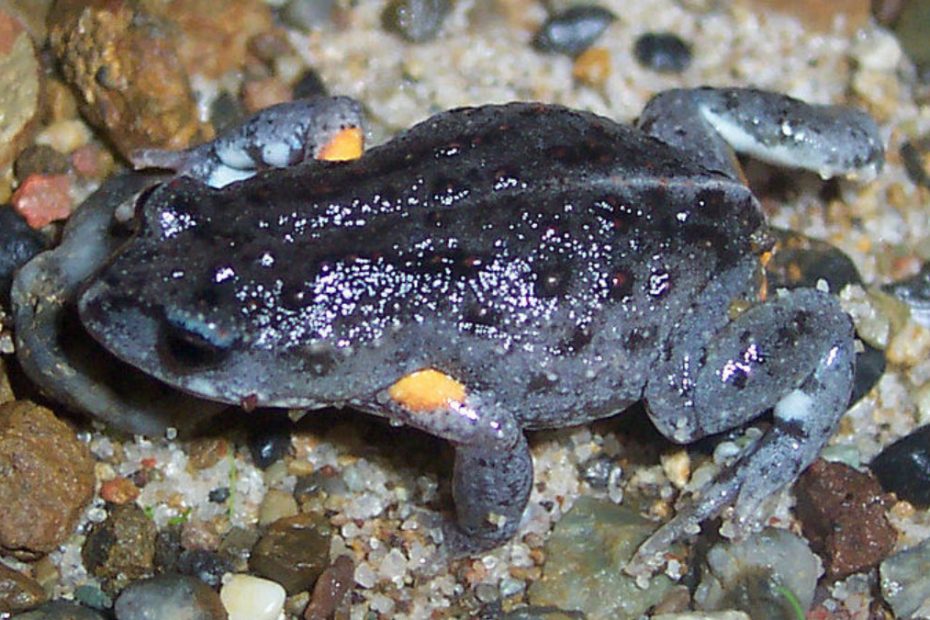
<point x="346" y="145"/>
<point x="426" y="390"/>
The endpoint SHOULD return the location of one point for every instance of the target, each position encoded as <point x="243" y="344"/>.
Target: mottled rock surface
<point x="169" y="597"/>
<point x="843" y="515"/>
<point x="20" y="87"/>
<point x="46" y="478"/>
<point x="18" y="592"/>
<point x="122" y="548"/>
<point x="586" y="555"/>
<point x="123" y="64"/>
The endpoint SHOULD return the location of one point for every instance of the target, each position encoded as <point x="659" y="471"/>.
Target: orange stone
<point x="43" y="198"/>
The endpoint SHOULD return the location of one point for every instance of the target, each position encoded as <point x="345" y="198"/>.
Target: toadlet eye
<point x="191" y="341"/>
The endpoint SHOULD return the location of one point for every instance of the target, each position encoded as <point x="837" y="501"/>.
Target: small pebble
<point x="842" y="512"/>
<point x="294" y="551"/>
<point x="92" y="596"/>
<point x="219" y="495"/>
<point x="60" y="610"/>
<point x="205" y="565"/>
<point x="40" y="159"/>
<point x="122" y="548"/>
<point x="43" y="198"/>
<point x="870" y="366"/>
<point x="310" y="84"/>
<point x="574" y="30"/>
<point x="119" y="491"/>
<point x="753" y="574"/>
<point x="592" y="67"/>
<point x="276" y="505"/>
<point x="416" y="20"/>
<point x="663" y="52"/>
<point x="903" y="467"/>
<point x="18" y="591"/>
<point x="269" y="437"/>
<point x="169" y="597"/>
<point x="18" y="243"/>
<point x="330" y="593"/>
<point x="905" y="582"/>
<point x="252" y="598"/>
<point x="308" y="14"/>
<point x="915" y="292"/>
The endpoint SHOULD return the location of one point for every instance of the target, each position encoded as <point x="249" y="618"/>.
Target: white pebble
<point x="251" y="598"/>
<point x="365" y="576"/>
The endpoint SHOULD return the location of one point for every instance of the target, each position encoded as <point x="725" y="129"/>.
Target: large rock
<point x="19" y="87"/>
<point x="123" y="64"/>
<point x="46" y="478"/>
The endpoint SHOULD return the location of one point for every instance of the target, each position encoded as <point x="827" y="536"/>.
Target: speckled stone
<point x="104" y="47"/>
<point x="753" y="574"/>
<point x="122" y="548"/>
<point x="294" y="551"/>
<point x="169" y="597"/>
<point x="843" y="515"/>
<point x="586" y="555"/>
<point x="18" y="592"/>
<point x="46" y="478"/>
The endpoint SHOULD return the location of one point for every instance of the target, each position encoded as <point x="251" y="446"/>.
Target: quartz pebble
<point x="252" y="598"/>
<point x="169" y="597"/>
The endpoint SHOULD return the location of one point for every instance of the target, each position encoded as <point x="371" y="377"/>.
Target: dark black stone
<point x="904" y="467"/>
<point x="574" y="30"/>
<point x="168" y="549"/>
<point x="800" y="262"/>
<point x="870" y="366"/>
<point x="664" y="52"/>
<point x="415" y="20"/>
<point x="310" y="84"/>
<point x="915" y="292"/>
<point x="219" y="495"/>
<point x="269" y="437"/>
<point x="205" y="565"/>
<point x="18" y="243"/>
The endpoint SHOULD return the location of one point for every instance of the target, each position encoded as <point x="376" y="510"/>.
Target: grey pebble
<point x="416" y="20"/>
<point x="169" y="597"/>
<point x="60" y="610"/>
<point x="574" y="30"/>
<point x="905" y="582"/>
<point x="757" y="575"/>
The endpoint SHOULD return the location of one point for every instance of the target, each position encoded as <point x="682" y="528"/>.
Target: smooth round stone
<point x="904" y="467"/>
<point x="252" y="598"/>
<point x="663" y="52"/>
<point x="169" y="597"/>
<point x="574" y="30"/>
